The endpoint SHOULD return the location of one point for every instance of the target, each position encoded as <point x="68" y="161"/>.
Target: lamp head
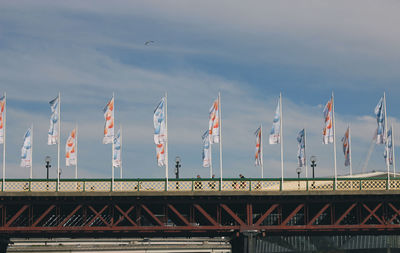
<point x="313" y="159"/>
<point x="298" y="170"/>
<point x="177" y="159"/>
<point x="47" y="159"/>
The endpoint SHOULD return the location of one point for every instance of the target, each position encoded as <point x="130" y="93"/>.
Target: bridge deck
<point x="203" y="186"/>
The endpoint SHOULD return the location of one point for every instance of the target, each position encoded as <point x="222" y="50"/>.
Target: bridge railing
<point x="200" y="185"/>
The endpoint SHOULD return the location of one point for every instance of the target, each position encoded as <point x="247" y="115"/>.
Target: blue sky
<point x="250" y="52"/>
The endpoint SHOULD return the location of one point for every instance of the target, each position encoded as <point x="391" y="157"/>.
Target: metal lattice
<point x="373" y="185"/>
<point x="265" y="185"/>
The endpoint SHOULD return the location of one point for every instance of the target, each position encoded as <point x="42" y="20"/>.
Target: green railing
<point x="200" y="185"/>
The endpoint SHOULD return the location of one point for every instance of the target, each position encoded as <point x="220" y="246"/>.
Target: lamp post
<point x="298" y="171"/>
<point x="47" y="160"/>
<point x="313" y="160"/>
<point x="177" y="166"/>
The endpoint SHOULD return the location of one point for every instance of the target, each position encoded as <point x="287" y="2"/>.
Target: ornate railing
<point x="199" y="185"/>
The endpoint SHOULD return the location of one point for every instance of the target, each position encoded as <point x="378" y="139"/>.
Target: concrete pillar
<point x="244" y="243"/>
<point x="4" y="244"/>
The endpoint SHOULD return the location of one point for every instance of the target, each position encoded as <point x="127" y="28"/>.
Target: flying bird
<point x="148" y="42"/>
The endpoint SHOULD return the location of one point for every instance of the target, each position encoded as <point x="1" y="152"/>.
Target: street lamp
<point x="177" y="166"/>
<point x="47" y="160"/>
<point x="313" y="160"/>
<point x="298" y="171"/>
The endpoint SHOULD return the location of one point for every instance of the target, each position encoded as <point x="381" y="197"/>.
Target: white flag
<point x="206" y="149"/>
<point x="117" y="150"/>
<point x="109" y="122"/>
<point x="71" y="149"/>
<point x="275" y="135"/>
<point x="53" y="134"/>
<point x="327" y="132"/>
<point x="389" y="147"/>
<point x="380" y="119"/>
<point x="2" y="116"/>
<point x="161" y="158"/>
<point x="160" y="133"/>
<point x="26" y="151"/>
<point x="213" y="123"/>
<point x="301" y="148"/>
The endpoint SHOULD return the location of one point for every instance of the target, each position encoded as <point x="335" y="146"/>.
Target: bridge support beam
<point x="245" y="242"/>
<point x="4" y="244"/>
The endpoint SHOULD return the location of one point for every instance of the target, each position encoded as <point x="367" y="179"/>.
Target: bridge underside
<point x="150" y="216"/>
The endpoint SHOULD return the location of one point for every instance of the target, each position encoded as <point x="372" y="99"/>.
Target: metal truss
<point x="197" y="215"/>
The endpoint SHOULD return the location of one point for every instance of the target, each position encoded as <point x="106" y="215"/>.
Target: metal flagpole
<point x="4" y="141"/>
<point x="76" y="151"/>
<point x="166" y="144"/>
<point x="209" y="146"/>
<point x="386" y="144"/>
<point x="120" y="143"/>
<point x="305" y="152"/>
<point x="262" y="152"/>
<point x="334" y="137"/>
<point x="220" y="137"/>
<point x="280" y="136"/>
<point x="351" y="167"/>
<point x="394" y="160"/>
<point x="58" y="141"/>
<point x="30" y="174"/>
<point x="112" y="147"/>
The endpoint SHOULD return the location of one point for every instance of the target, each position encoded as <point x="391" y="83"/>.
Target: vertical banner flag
<point x="70" y="149"/>
<point x="206" y="149"/>
<point x="2" y="112"/>
<point x="274" y="136"/>
<point x="389" y="147"/>
<point x="328" y="129"/>
<point x="109" y="123"/>
<point x="346" y="147"/>
<point x="160" y="150"/>
<point x="26" y="151"/>
<point x="301" y="143"/>
<point x="380" y="119"/>
<point x="117" y="150"/>
<point x="160" y="135"/>
<point x="213" y="124"/>
<point x="53" y="134"/>
<point x="258" y="154"/>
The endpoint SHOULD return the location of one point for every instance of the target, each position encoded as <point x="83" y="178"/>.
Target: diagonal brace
<point x="372" y="213"/>
<point x="125" y="215"/>
<point x="233" y="215"/>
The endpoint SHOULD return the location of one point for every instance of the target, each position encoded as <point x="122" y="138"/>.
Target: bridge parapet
<point x="201" y="185"/>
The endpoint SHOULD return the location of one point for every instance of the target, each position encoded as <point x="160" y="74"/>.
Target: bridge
<point x="242" y="209"/>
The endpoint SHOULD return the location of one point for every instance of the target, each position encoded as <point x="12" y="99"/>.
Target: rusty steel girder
<point x="38" y="216"/>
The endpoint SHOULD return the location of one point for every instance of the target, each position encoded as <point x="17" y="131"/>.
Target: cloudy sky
<point x="248" y="51"/>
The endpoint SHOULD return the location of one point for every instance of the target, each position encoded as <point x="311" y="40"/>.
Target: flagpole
<point x="351" y="162"/>
<point x="209" y="146"/>
<point x="281" y="137"/>
<point x="220" y="136"/>
<point x="334" y="137"/>
<point x="58" y="141"/>
<point x="112" y="146"/>
<point x="305" y="152"/>
<point x="4" y="141"/>
<point x="166" y="144"/>
<point x="120" y="143"/>
<point x="30" y="174"/>
<point x="386" y="143"/>
<point x="394" y="162"/>
<point x="262" y="152"/>
<point x="76" y="151"/>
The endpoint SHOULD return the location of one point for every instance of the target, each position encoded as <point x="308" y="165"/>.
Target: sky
<point x="249" y="51"/>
